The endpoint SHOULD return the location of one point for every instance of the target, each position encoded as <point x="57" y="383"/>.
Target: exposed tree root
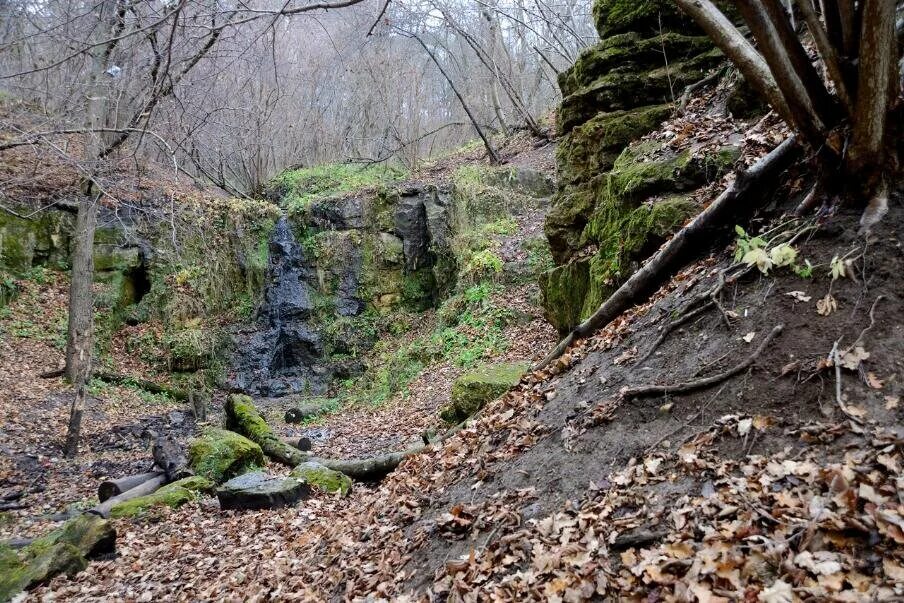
<point x="689" y="386"/>
<point x="672" y="326"/>
<point x="685" y="245"/>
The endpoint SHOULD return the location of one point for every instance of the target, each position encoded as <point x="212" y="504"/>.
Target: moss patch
<point x="219" y="455"/>
<point x="323" y="478"/>
<point x="474" y="389"/>
<point x="564" y="290"/>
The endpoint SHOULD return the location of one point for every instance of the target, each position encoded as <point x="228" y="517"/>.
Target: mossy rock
<point x="171" y="495"/>
<point x="617" y="91"/>
<point x="21" y="571"/>
<point x="192" y="348"/>
<point x="472" y="390"/>
<point x="63" y="551"/>
<point x="323" y="477"/>
<point x="567" y="218"/>
<point x="630" y="53"/>
<point x="219" y="455"/>
<point x="43" y="240"/>
<point x="593" y="147"/>
<point x="647" y="16"/>
<point x="564" y="290"/>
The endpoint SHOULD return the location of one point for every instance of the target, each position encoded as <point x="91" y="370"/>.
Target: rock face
<point x="474" y="389"/>
<point x="219" y="454"/>
<point x="332" y="266"/>
<point x="618" y="200"/>
<point x="261" y="491"/>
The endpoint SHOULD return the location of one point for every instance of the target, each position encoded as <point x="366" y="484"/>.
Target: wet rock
<point x="261" y="491"/>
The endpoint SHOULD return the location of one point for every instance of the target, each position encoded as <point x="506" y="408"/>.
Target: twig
<point x="688" y="386"/>
<point x="671" y="327"/>
<point x="691" y="88"/>
<point x="872" y="322"/>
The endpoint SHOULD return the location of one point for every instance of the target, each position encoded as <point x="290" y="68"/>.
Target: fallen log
<point x="148" y="487"/>
<point x="148" y="386"/>
<point x="685" y="245"/>
<point x="114" y="487"/>
<point x="243" y="417"/>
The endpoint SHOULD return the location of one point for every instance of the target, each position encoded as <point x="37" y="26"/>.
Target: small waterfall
<point x="280" y="354"/>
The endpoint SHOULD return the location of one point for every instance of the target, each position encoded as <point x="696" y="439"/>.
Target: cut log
<point x="114" y="487"/>
<point x="170" y="458"/>
<point x="143" y="489"/>
<point x="686" y="244"/>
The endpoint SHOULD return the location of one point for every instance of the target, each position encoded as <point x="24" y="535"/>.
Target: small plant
<point x="753" y="252"/>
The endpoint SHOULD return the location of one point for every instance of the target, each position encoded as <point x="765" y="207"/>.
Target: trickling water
<point x="280" y="354"/>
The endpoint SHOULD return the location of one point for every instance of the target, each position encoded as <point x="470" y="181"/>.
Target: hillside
<point x="380" y="384"/>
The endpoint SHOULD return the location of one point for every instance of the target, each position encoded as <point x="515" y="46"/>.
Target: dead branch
<point x="685" y="245"/>
<point x="689" y="386"/>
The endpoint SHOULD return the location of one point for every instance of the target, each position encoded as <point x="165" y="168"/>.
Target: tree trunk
<point x="81" y="301"/>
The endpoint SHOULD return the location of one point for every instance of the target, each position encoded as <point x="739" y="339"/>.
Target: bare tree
<point x="849" y="118"/>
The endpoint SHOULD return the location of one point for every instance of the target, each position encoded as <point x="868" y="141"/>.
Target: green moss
<point x="219" y="455"/>
<point x="593" y="147"/>
<point x="564" y="291"/>
<point x="192" y="348"/>
<point x="62" y="551"/>
<point x="565" y="222"/>
<point x="630" y="53"/>
<point x="301" y="187"/>
<point x="648" y="16"/>
<point x="323" y="478"/>
<point x="172" y="497"/>
<point x="474" y="389"/>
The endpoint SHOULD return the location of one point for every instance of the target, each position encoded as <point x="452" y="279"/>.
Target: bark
<point x="805" y="117"/>
<point x="689" y="242"/>
<point x="875" y="93"/>
<point x="148" y="487"/>
<point x="114" y="487"/>
<point x="76" y="411"/>
<point x="81" y="301"/>
<point x="828" y="53"/>
<point x="170" y="458"/>
<point x="739" y="50"/>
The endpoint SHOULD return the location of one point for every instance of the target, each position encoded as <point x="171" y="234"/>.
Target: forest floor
<point x="777" y="479"/>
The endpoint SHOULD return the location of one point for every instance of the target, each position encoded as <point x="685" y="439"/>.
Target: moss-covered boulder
<point x="63" y="551"/>
<point x="219" y="455"/>
<point x="172" y="495"/>
<point x="323" y="478"/>
<point x="564" y="290"/>
<point x="474" y="389"/>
